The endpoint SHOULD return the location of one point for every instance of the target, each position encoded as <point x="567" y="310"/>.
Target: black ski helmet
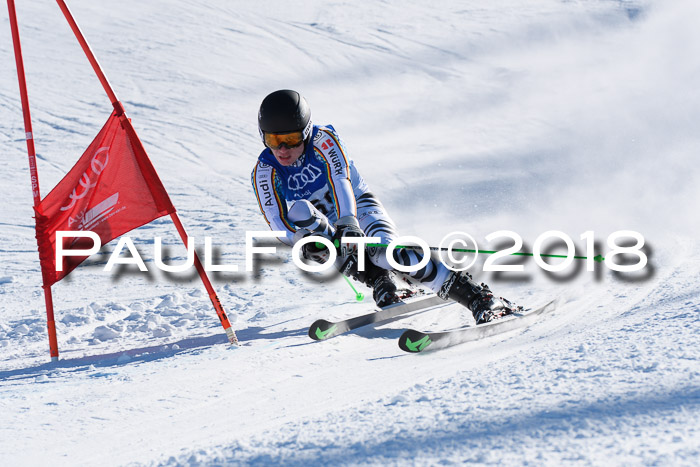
<point x="285" y="111"/>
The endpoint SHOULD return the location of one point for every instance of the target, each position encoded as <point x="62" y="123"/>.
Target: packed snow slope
<point x="503" y="115"/>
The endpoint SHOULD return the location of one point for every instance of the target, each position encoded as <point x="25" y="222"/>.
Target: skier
<point x="306" y="184"/>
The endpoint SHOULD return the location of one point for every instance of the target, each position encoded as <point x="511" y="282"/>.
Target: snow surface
<point x="526" y="116"/>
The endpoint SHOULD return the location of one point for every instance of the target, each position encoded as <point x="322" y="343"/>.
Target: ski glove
<point x="347" y="226"/>
<point x="312" y="251"/>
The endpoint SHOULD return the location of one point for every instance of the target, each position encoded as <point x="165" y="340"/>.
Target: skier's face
<point x="287" y="156"/>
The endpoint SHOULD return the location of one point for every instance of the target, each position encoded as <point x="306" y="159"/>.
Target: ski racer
<point x="306" y="184"/>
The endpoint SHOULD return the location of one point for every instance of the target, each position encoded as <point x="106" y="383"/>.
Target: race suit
<point x="326" y="176"/>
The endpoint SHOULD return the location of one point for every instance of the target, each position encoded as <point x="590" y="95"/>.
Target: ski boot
<point x="460" y="287"/>
<point x="385" y="290"/>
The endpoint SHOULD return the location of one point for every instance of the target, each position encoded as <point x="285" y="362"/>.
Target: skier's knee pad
<point x="305" y="216"/>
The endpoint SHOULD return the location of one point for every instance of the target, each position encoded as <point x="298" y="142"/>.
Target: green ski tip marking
<point x="418" y="345"/>
<point x="599" y="258"/>
<point x="322" y="334"/>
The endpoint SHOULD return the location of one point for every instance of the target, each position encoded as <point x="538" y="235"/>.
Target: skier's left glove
<point x="347" y="226"/>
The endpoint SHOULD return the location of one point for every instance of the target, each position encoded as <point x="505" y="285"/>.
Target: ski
<point x="416" y="341"/>
<point x="322" y="329"/>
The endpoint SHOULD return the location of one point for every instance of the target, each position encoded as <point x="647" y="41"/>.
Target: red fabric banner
<point x="112" y="189"/>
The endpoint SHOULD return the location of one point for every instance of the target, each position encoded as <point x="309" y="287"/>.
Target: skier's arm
<point x="272" y="206"/>
<point x="328" y="146"/>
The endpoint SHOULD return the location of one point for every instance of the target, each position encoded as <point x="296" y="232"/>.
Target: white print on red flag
<point x="112" y="189"/>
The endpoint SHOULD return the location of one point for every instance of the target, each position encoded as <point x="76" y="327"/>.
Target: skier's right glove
<point x="313" y="251"/>
<point x="347" y="226"/>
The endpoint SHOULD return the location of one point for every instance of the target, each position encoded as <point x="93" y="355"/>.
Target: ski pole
<point x="598" y="258"/>
<point x="359" y="296"/>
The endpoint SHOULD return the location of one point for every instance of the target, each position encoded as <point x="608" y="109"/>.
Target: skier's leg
<point x="378" y="273"/>
<point x="376" y="222"/>
<point x="457" y="286"/>
<point x="312" y="222"/>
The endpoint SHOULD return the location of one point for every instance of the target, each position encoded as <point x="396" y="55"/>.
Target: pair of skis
<point x="416" y="341"/>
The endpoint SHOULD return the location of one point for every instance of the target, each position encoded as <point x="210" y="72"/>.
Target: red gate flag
<point x="112" y="189"/>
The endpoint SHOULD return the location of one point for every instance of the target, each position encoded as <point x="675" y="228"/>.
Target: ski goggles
<point x="276" y="140"/>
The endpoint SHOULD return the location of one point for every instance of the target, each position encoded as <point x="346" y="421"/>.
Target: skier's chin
<point x="289" y="156"/>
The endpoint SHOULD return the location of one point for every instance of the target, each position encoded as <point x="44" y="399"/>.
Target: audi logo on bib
<point x="309" y="174"/>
